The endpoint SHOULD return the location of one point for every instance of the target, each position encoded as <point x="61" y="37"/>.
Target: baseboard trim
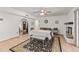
<point x="9" y="38"/>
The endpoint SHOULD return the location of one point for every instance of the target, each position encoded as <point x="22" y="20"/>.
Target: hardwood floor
<point x="55" y="46"/>
<point x="7" y="44"/>
<point x="66" y="47"/>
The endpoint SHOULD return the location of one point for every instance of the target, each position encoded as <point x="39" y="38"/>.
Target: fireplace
<point x="69" y="32"/>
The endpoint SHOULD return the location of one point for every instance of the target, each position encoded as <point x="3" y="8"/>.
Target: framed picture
<point x="45" y="21"/>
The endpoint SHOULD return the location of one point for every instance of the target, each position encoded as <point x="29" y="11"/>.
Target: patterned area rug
<point x="35" y="45"/>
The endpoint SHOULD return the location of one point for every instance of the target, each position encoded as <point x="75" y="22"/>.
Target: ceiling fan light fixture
<point x="42" y="14"/>
<point x="42" y="10"/>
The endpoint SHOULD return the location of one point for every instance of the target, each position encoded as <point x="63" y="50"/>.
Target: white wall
<point x="70" y="18"/>
<point x="77" y="27"/>
<point x="51" y="22"/>
<point x="77" y="39"/>
<point x="9" y="26"/>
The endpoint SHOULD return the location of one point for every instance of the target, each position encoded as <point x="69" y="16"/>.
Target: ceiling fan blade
<point x="49" y="12"/>
<point x="36" y="11"/>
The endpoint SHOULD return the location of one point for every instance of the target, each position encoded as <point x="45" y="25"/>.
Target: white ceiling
<point x="35" y="11"/>
<point x="54" y="11"/>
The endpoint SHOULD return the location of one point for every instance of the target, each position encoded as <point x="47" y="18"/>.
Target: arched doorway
<point x="23" y="26"/>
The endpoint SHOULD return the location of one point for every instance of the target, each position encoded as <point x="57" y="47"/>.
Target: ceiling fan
<point x="43" y="12"/>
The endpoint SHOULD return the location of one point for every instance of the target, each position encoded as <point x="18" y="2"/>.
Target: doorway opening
<point x="23" y="27"/>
